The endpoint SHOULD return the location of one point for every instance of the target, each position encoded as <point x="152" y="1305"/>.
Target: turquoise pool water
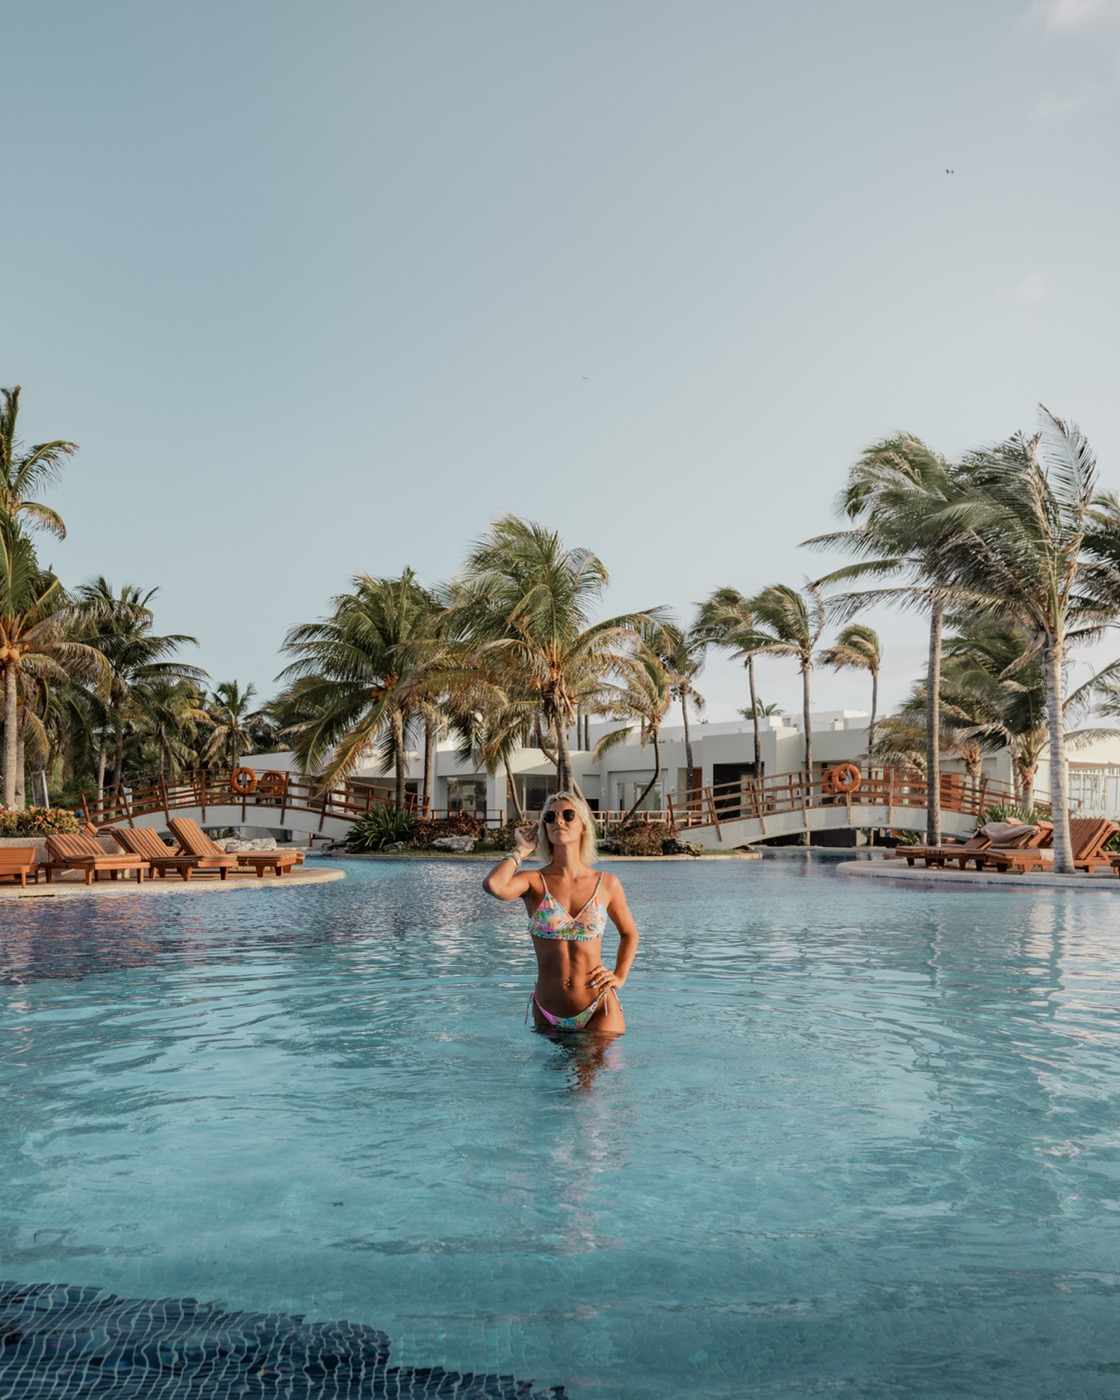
<point x="858" y="1141"/>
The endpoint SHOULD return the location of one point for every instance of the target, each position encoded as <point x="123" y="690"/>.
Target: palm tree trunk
<point x="688" y="784"/>
<point x="648" y="787"/>
<point x="563" y="756"/>
<point x="11" y="734"/>
<point x="511" y="786"/>
<point x="399" y="758"/>
<point x="429" y="764"/>
<point x="118" y="764"/>
<point x="102" y="760"/>
<point x="1059" y="787"/>
<point x="874" y="714"/>
<point x="754" y="718"/>
<point x="21" y="766"/>
<point x="806" y="670"/>
<point x="933" y="730"/>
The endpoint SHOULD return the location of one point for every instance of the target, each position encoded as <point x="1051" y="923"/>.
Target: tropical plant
<point x="726" y="619"/>
<point x="682" y="655"/>
<point x="37" y="821"/>
<point x="522" y="609"/>
<point x="858" y="648"/>
<point x="39" y="631"/>
<point x="232" y="720"/>
<point x="381" y="826"/>
<point x="895" y="493"/>
<point x="762" y="710"/>
<point x="119" y="627"/>
<point x="361" y="676"/>
<point x="1016" y="548"/>
<point x="24" y="473"/>
<point x="641" y="701"/>
<point x="789" y="623"/>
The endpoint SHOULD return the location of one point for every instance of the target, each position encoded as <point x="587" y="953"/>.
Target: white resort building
<point x="722" y="753"/>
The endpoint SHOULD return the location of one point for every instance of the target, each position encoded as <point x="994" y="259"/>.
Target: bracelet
<point x="512" y="855"/>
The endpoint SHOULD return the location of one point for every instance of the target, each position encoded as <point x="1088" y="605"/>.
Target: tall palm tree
<point x="641" y="701"/>
<point x="25" y="472"/>
<point x="858" y="648"/>
<point x="39" y="639"/>
<point x="1017" y="548"/>
<point x="232" y="718"/>
<point x="170" y="716"/>
<point x="682" y="656"/>
<point x="789" y="623"/>
<point x="895" y="492"/>
<point x="362" y="675"/>
<point x="522" y="608"/>
<point x="120" y="627"/>
<point x="724" y="620"/>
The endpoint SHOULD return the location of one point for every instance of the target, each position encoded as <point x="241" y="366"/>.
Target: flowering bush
<point x="37" y="821"/>
<point x="427" y="830"/>
<point x="641" y="839"/>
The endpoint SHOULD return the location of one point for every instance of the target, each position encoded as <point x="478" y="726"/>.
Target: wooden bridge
<point x="719" y="818"/>
<point x="748" y="812"/>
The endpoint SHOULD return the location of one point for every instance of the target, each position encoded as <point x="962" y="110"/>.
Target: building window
<point x="466" y="795"/>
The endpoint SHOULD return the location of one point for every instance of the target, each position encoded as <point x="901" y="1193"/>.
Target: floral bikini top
<point x="551" y="920"/>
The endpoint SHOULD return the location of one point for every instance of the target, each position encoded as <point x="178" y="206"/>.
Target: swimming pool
<point x="858" y="1140"/>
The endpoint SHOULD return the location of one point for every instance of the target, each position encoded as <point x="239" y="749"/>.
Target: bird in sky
<point x="949" y="172"/>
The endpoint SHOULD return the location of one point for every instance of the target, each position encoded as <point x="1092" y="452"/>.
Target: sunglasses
<point x="569" y="814"/>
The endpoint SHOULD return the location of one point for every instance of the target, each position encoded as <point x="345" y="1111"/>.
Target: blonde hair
<point x="588" y="847"/>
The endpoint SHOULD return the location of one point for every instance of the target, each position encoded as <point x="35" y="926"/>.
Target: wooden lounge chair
<point x="81" y="852"/>
<point x="1087" y="838"/>
<point x="1020" y="837"/>
<point x="142" y="841"/>
<point x="193" y="841"/>
<point x="18" y="862"/>
<point x="260" y="861"/>
<point x="938" y="855"/>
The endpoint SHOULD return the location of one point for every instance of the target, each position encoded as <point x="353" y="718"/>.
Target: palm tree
<point x="39" y="631"/>
<point x="762" y="710"/>
<point x="522" y="611"/>
<point x="858" y="648"/>
<point x="641" y="701"/>
<point x="725" y="619"/>
<point x="789" y="623"/>
<point x="120" y="628"/>
<point x="169" y="717"/>
<point x="895" y="491"/>
<point x="362" y="676"/>
<point x="1016" y="548"/>
<point x="229" y="712"/>
<point x="682" y="655"/>
<point x="23" y="473"/>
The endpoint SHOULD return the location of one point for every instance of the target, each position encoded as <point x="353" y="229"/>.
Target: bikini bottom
<point x="570" y="1023"/>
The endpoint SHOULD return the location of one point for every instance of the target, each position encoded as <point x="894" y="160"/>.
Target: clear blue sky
<point x="325" y="289"/>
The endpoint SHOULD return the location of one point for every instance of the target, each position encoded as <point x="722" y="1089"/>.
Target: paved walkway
<point x="1100" y="882"/>
<point x="73" y="886"/>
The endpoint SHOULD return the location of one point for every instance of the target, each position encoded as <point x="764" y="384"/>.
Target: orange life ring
<point x="845" y="779"/>
<point x="243" y="781"/>
<point x="273" y="783"/>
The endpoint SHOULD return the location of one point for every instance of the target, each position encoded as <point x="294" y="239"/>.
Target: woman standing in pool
<point x="568" y="903"/>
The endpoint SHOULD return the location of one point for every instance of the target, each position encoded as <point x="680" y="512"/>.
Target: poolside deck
<point x="1099" y="882"/>
<point x="72" y="886"/>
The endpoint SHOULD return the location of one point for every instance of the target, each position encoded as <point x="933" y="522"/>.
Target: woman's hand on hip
<point x="601" y="979"/>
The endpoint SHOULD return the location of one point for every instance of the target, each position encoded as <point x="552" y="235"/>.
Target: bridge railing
<point x="748" y="798"/>
<point x="278" y="792"/>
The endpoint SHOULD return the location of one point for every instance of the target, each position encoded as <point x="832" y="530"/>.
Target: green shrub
<point x="381" y="827"/>
<point x="37" y="821"/>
